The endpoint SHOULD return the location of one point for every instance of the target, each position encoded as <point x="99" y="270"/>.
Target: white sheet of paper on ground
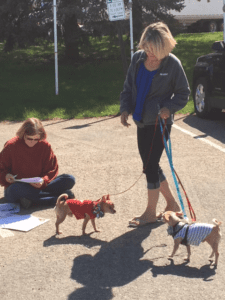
<point x="21" y="222"/>
<point x="8" y="209"/>
<point x="30" y="180"/>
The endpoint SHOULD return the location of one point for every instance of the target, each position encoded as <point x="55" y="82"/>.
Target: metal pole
<point x="131" y="30"/>
<point x="56" y="47"/>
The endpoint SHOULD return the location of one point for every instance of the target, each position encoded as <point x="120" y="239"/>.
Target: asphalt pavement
<point x="119" y="262"/>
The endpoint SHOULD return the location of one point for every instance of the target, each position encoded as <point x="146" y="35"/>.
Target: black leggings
<point x="153" y="171"/>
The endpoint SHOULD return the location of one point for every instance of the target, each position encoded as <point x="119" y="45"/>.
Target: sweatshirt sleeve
<point x="181" y="90"/>
<point x="126" y="94"/>
<point x="50" y="167"/>
<point x="5" y="164"/>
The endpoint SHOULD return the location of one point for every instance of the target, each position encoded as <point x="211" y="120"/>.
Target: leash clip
<point x="158" y="109"/>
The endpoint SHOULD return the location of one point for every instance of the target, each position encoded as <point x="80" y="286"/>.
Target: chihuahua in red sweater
<point x="86" y="209"/>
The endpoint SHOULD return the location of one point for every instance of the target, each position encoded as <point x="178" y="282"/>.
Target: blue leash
<point x="169" y="155"/>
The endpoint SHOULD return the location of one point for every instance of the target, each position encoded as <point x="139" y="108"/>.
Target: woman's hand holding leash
<point x="124" y="118"/>
<point x="164" y="113"/>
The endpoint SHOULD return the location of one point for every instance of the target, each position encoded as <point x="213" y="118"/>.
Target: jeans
<point x="48" y="196"/>
<point x="153" y="171"/>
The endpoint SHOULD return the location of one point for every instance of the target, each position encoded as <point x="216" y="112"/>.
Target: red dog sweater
<point x="80" y="208"/>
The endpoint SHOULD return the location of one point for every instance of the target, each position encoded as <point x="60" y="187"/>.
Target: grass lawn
<point x="27" y="80"/>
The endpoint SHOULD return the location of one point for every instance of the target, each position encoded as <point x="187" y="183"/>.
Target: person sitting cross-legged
<point x="29" y="155"/>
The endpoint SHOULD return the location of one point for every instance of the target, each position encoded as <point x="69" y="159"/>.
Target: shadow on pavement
<point x="205" y="272"/>
<point x="60" y="121"/>
<point x="91" y="123"/>
<point x="213" y="128"/>
<point x="85" y="240"/>
<point x="117" y="263"/>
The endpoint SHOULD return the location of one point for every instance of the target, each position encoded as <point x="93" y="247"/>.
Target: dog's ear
<point x="166" y="215"/>
<point x="179" y="214"/>
<point x="170" y="219"/>
<point x="104" y="198"/>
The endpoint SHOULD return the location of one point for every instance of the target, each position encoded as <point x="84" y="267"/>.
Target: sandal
<point x="136" y="222"/>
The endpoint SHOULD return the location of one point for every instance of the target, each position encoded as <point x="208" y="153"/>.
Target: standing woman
<point x="155" y="84"/>
<point x="28" y="155"/>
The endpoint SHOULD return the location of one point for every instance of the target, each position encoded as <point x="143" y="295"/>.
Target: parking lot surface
<point x="119" y="262"/>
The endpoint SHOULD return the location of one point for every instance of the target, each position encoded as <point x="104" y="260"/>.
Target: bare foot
<point x="140" y="221"/>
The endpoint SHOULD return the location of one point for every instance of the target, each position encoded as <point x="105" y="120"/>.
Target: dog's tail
<point x="63" y="198"/>
<point x="217" y="223"/>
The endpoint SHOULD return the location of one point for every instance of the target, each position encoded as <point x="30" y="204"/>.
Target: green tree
<point x="22" y="21"/>
<point x="146" y="12"/>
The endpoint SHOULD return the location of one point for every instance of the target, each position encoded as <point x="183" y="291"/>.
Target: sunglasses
<point x="29" y="139"/>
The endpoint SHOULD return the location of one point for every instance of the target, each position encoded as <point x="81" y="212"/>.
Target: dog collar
<point x="97" y="211"/>
<point x="173" y="230"/>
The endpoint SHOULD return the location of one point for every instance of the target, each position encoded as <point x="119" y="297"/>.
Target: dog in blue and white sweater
<point x="192" y="234"/>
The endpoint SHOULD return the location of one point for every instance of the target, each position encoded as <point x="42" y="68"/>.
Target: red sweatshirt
<point x="19" y="159"/>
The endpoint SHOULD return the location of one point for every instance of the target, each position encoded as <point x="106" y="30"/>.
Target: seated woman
<point x="30" y="155"/>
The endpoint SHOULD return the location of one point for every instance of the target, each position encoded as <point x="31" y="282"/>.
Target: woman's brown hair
<point x="32" y="126"/>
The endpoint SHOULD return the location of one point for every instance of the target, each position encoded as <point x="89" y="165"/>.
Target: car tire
<point x="212" y="26"/>
<point x="201" y="102"/>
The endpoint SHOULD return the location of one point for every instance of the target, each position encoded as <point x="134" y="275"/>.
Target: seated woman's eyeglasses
<point x="30" y="139"/>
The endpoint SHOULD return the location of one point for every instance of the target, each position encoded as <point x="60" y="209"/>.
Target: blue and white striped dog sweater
<point x="196" y="234"/>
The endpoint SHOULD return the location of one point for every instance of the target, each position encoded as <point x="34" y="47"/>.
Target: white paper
<point x="30" y="180"/>
<point x="21" y="222"/>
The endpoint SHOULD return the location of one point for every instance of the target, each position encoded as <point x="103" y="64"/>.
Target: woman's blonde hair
<point x="32" y="126"/>
<point x="159" y="37"/>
